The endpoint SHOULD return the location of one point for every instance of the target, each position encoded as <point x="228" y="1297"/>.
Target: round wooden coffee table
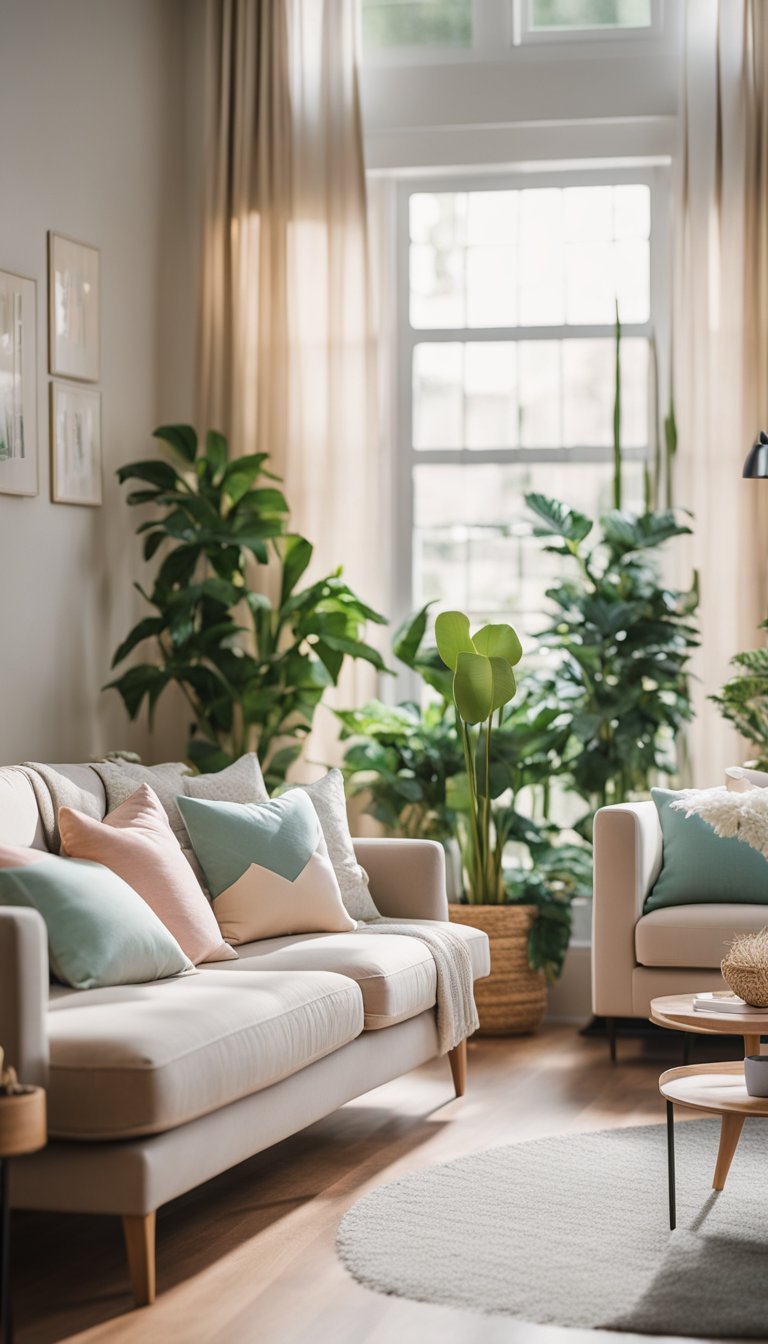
<point x="677" y="1011"/>
<point x="718" y="1089"/>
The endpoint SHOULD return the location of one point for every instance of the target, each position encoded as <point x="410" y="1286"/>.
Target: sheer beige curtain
<point x="287" y="348"/>
<point x="721" y="342"/>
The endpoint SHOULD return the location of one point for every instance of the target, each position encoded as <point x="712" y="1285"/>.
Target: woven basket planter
<point x="745" y="968"/>
<point x="513" y="998"/>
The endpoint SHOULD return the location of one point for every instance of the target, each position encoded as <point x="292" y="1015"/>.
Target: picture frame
<point x="73" y="309"/>
<point x="18" y="385"/>
<point x="75" y="445"/>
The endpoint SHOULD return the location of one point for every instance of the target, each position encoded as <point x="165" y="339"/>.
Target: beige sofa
<point x="155" y="1088"/>
<point x="677" y="950"/>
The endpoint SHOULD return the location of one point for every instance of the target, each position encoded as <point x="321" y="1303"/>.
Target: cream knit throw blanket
<point x="456" y="1010"/>
<point x="53" y="791"/>
<point x="730" y="813"/>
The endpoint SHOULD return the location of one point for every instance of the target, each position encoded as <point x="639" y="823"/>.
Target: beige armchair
<point x="636" y="957"/>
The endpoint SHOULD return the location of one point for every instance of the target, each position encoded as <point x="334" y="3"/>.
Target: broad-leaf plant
<point x="619" y="645"/>
<point x="253" y="667"/>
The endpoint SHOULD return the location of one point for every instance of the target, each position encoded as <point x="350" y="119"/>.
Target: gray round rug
<point x="573" y="1231"/>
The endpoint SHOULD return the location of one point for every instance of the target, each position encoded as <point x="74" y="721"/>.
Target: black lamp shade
<point x="756" y="463"/>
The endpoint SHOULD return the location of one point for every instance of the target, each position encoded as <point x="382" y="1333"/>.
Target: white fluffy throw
<point x="729" y="813"/>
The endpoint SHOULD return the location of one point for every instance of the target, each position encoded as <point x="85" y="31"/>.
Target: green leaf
<point x="177" y="567"/>
<point x="503" y="681"/>
<point x="557" y="519"/>
<point x="453" y="638"/>
<point x="182" y="438"/>
<point x="152" y="543"/>
<point x="155" y="471"/>
<point x="146" y="628"/>
<point x="138" y="683"/>
<point x="240" y="475"/>
<point x="216" y="451"/>
<point x="296" y="554"/>
<point x="409" y="636"/>
<point x="473" y="687"/>
<point x="499" y="641"/>
<point x="207" y="757"/>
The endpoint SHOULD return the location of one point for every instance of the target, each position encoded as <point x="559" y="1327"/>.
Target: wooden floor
<point x="250" y="1257"/>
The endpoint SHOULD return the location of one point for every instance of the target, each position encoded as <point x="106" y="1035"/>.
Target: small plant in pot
<point x="514" y="997"/>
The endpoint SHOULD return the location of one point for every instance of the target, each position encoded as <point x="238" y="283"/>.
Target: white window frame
<point x="656" y="177"/>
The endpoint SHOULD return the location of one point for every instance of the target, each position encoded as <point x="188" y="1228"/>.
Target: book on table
<point x="723" y="1001"/>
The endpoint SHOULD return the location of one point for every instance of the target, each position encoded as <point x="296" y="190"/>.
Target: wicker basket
<point x="513" y="998"/>
<point x="745" y="968"/>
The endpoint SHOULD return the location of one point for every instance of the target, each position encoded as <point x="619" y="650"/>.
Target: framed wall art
<point x="73" y="309"/>
<point x="75" y="445"/>
<point x="18" y="385"/>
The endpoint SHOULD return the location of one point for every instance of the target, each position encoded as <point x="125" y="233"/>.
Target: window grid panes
<point x="509" y="357"/>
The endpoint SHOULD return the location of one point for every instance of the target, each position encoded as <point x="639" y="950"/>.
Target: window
<point x="419" y="30"/>
<point x="565" y="14"/>
<point x="417" y="23"/>
<point x="507" y="369"/>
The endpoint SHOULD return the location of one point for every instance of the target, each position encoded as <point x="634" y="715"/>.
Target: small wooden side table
<point x="677" y="1011"/>
<point x="718" y="1089"/>
<point x="22" y="1131"/>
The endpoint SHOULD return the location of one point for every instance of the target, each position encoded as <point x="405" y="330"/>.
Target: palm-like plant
<point x="253" y="669"/>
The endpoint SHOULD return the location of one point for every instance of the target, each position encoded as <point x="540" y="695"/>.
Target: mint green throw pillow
<point x="267" y="867"/>
<point x="700" y="867"/>
<point x="100" y="931"/>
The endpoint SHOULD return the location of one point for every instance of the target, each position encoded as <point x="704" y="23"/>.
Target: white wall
<point x="92" y="110"/>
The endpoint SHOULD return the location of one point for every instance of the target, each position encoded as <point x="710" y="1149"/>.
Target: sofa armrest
<point x="627" y="858"/>
<point x="407" y="877"/>
<point x="24" y="993"/>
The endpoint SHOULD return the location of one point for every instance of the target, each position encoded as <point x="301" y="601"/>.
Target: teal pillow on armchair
<point x="700" y="867"/>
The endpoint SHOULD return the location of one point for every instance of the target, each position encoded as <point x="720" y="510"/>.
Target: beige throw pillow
<point x="330" y="803"/>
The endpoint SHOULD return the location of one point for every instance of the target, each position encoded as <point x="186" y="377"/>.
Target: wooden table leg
<point x="751" y="1045"/>
<point x="730" y="1133"/>
<point x="671" y="1165"/>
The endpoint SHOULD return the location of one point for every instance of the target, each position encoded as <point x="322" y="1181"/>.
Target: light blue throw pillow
<point x="700" y="867"/>
<point x="100" y="931"/>
<point x="267" y="867"/>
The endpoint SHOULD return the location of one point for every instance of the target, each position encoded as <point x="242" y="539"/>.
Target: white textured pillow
<point x="330" y="803"/>
<point x="241" y="782"/>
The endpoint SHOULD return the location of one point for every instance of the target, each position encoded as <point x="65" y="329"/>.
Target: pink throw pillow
<point x="137" y="843"/>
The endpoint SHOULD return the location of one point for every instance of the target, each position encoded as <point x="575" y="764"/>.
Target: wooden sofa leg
<point x="458" y="1060"/>
<point x="139" y="1233"/>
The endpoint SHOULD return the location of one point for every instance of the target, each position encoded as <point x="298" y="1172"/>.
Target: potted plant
<point x="252" y="668"/>
<point x="514" y="997"/>
<point x="743" y="701"/>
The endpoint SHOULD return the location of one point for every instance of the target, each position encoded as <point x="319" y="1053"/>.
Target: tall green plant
<point x="743" y="701"/>
<point x="252" y="669"/>
<point x="620" y="642"/>
<point x="483" y="683"/>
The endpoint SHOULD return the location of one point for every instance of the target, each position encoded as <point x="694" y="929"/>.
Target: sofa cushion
<point x="136" y="842"/>
<point x="329" y="801"/>
<point x="100" y="931"/>
<point x="396" y="973"/>
<point x="699" y="866"/>
<point x="694" y="935"/>
<point x="267" y="867"/>
<point x="147" y="1058"/>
